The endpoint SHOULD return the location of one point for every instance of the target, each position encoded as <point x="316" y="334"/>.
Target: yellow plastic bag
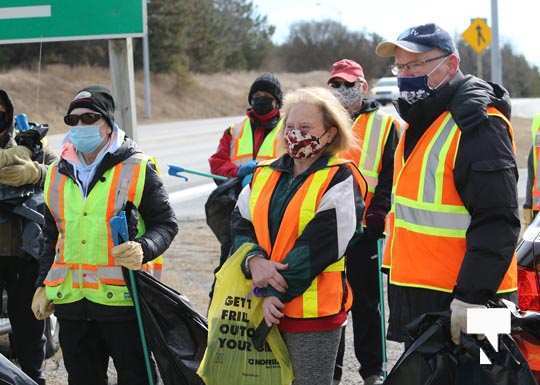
<point x="230" y="357"/>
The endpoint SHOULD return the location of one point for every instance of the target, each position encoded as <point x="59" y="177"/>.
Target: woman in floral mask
<point x="300" y="211"/>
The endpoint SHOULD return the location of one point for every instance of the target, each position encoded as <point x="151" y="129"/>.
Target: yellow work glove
<point x="8" y="156"/>
<point x="22" y="172"/>
<point x="129" y="255"/>
<point x="42" y="307"/>
<point x="528" y="217"/>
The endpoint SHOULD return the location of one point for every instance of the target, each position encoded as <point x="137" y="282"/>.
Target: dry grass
<point x="45" y="97"/>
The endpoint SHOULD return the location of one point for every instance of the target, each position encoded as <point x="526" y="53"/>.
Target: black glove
<point x="32" y="137"/>
<point x="375" y="220"/>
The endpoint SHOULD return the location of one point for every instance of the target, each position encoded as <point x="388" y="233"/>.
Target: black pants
<point x="363" y="277"/>
<point x="87" y="346"/>
<point x="19" y="276"/>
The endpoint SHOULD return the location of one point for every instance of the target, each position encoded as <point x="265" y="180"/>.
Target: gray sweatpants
<point x="313" y="356"/>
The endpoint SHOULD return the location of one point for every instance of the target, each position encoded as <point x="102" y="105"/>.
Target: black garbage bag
<point x="10" y="374"/>
<point x="433" y="359"/>
<point x="219" y="208"/>
<point x="176" y="334"/>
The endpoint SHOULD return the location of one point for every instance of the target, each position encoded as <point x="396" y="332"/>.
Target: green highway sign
<point x="28" y="21"/>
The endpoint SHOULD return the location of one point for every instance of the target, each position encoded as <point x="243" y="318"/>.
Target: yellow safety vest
<point x="242" y="143"/>
<point x="535" y="132"/>
<point x="84" y="266"/>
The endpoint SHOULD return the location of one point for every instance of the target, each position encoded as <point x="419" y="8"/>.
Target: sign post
<point x="478" y="36"/>
<point x="39" y="21"/>
<point x="123" y="80"/>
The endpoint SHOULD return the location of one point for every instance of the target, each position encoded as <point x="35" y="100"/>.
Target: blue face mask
<point x="85" y="138"/>
<point x="415" y="88"/>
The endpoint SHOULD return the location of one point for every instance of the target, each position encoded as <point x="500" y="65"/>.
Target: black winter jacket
<point x="11" y="229"/>
<point x="485" y="174"/>
<point x="159" y="219"/>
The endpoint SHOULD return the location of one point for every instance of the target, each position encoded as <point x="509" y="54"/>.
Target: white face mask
<point x="351" y="98"/>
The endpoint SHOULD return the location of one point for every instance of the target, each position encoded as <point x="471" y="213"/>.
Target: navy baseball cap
<point x="418" y="39"/>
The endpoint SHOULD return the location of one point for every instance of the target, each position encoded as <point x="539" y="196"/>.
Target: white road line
<point x="25" y="12"/>
<point x="191" y="193"/>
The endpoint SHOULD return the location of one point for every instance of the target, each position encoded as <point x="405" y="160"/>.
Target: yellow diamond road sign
<point x="478" y="35"/>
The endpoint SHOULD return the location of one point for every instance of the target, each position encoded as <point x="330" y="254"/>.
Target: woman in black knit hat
<point x="252" y="139"/>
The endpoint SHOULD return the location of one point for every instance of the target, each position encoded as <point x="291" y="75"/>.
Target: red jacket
<point x="220" y="162"/>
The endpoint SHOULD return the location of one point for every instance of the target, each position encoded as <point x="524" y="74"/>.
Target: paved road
<point x="189" y="144"/>
<point x="525" y="108"/>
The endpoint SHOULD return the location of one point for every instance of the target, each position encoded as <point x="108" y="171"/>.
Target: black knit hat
<point x="269" y="83"/>
<point x="95" y="98"/>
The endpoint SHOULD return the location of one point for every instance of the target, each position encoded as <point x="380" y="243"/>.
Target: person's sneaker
<point x="376" y="379"/>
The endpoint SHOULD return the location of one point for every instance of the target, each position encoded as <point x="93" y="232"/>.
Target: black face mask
<point x="3" y="123"/>
<point x="262" y="104"/>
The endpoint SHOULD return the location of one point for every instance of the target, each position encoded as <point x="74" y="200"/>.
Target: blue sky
<point x="519" y="20"/>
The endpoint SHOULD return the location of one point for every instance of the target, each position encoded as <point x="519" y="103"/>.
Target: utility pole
<point x="146" y="67"/>
<point x="479" y="66"/>
<point x="496" y="62"/>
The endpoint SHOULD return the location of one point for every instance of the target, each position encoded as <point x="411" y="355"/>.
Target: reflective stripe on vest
<point x="326" y="295"/>
<point x="371" y="130"/>
<point x="242" y="143"/>
<point x="84" y="266"/>
<point x="535" y="132"/>
<point x="154" y="268"/>
<point x="428" y="221"/>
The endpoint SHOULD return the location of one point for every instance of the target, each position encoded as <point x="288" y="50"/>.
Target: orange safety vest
<point x="329" y="293"/>
<point x="242" y="143"/>
<point x="371" y="130"/>
<point x="428" y="222"/>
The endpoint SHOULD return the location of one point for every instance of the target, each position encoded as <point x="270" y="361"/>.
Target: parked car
<point x="386" y="90"/>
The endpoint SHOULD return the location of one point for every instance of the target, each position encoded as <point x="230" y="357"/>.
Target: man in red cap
<point x="377" y="137"/>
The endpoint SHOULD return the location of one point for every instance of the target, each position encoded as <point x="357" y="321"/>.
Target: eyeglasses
<point x="86" y="118"/>
<point x="413" y="65"/>
<point x="337" y="84"/>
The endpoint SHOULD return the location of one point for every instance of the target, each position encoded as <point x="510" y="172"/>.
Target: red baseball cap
<point x="348" y="70"/>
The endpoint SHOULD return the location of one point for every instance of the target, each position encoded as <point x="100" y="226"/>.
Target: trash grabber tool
<point x="120" y="234"/>
<point x="380" y="243"/>
<point x="178" y="170"/>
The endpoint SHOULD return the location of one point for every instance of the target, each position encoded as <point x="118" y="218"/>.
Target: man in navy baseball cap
<point x="425" y="59"/>
<point x="459" y="144"/>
